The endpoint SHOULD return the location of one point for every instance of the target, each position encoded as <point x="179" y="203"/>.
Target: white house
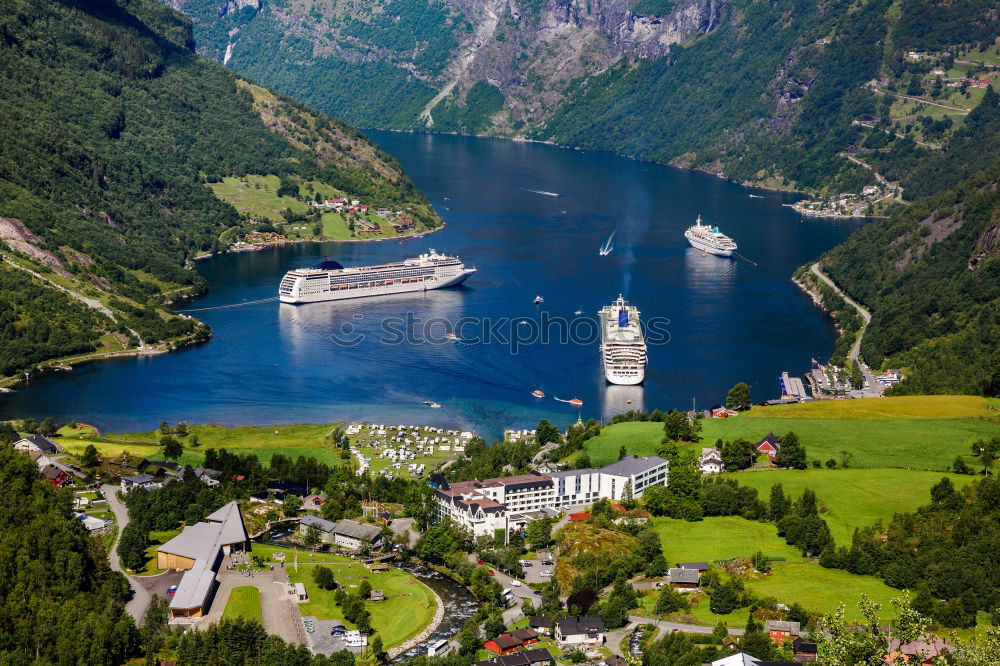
<point x="710" y="461"/>
<point x="579" y="631"/>
<point x="36" y="443"/>
<point x="351" y="534"/>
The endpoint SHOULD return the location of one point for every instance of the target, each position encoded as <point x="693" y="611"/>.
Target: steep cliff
<point x="489" y="66"/>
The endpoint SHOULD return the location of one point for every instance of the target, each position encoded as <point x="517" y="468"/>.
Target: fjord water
<point x="271" y="363"/>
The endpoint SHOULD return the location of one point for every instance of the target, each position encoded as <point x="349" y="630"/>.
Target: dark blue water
<point x="276" y="364"/>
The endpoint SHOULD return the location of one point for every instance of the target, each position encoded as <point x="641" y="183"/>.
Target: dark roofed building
<point x="684" y="578"/>
<point x="288" y="488"/>
<point x="580" y="630"/>
<point x="698" y="566"/>
<point x="56" y="477"/>
<point x="351" y="534"/>
<point x="535" y="657"/>
<point x="803" y="651"/>
<point x="540" y="623"/>
<point x="36" y="443"/>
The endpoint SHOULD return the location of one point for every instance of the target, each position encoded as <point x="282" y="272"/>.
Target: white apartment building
<point x="510" y="502"/>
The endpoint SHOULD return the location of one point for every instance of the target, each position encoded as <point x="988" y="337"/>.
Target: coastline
<point x="258" y="247"/>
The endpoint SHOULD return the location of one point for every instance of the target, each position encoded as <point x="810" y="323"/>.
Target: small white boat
<point x="578" y="313"/>
<point x="432" y="404"/>
<point x="538" y="300"/>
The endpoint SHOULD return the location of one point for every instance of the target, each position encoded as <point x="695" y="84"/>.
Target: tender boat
<point x="538" y="393"/>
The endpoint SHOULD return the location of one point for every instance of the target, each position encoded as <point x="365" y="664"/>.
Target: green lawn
<point x="264" y="442"/>
<point x="794" y="579"/>
<point x="243" y="602"/>
<point x="853" y="497"/>
<point x="409" y="604"/>
<point x="720" y="538"/>
<point x="912" y="433"/>
<point x="256" y="196"/>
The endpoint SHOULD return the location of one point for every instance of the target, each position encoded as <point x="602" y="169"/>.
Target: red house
<point x="56" y="476"/>
<point x="511" y="641"/>
<point x="782" y="631"/>
<point x="769" y="445"/>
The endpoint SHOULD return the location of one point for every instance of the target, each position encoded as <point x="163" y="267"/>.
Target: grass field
<point x="920" y="432"/>
<point x="794" y="579"/>
<point x="256" y="196"/>
<point x="720" y="538"/>
<point x="243" y="602"/>
<point x="408" y="608"/>
<point x="292" y="441"/>
<point x="853" y="497"/>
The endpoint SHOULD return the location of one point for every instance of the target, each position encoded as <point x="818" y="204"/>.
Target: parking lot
<point x="322" y="641"/>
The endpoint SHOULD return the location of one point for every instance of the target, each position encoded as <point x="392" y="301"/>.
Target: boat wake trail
<point x="607" y="248"/>
<point x="231" y="305"/>
<point x="548" y="194"/>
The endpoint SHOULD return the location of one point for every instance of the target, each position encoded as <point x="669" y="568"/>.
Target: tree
<point x="669" y="601"/>
<point x="614" y="612"/>
<point x="582" y="461"/>
<point x="778" y="506"/>
<point x="164" y="428"/>
<point x="323" y="577"/>
<point x="494" y="626"/>
<point x="678" y="427"/>
<point x="182" y="429"/>
<point x="622" y="452"/>
<point x="48" y="427"/>
<point x="132" y="547"/>
<point x="738" y="454"/>
<point x="791" y="454"/>
<point x="290" y="505"/>
<point x="194" y="441"/>
<point x="628" y="500"/>
<point x="312" y="537"/>
<point x="657" y="500"/>
<point x="738" y="397"/>
<point x="172" y="449"/>
<point x="377" y="651"/>
<point x="545" y="433"/>
<point x="29" y="425"/>
<point x="539" y="533"/>
<point x="364" y="590"/>
<point x="90" y="456"/>
<point x="724" y="599"/>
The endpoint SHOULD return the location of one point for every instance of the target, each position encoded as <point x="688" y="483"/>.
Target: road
<point x="919" y="100"/>
<point x="855" y="354"/>
<point x="615" y="637"/>
<point x="137" y="606"/>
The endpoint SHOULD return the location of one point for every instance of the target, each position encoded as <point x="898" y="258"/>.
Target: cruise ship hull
<point x="699" y="244"/>
<point x="628" y="375"/>
<point x="436" y="282"/>
<point x="623" y="348"/>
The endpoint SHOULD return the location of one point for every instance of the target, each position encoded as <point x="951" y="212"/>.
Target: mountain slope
<point x="112" y="127"/>
<point x="768" y="93"/>
<point x="931" y="276"/>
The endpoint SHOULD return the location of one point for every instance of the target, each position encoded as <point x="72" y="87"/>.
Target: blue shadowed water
<point x="276" y="364"/>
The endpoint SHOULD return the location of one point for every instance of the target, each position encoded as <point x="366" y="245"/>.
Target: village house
<point x="782" y="631"/>
<point x="920" y="652"/>
<point x="743" y="659"/>
<point x="700" y="567"/>
<point x="36" y="443"/>
<point x="578" y="631"/>
<point x="683" y="579"/>
<point x="56" y="477"/>
<point x="710" y="461"/>
<point x="144" y="481"/>
<point x="352" y="535"/>
<point x="376" y="595"/>
<point x="769" y="445"/>
<point x="615" y="660"/>
<point x="511" y="641"/>
<point x="325" y="527"/>
<point x="534" y="657"/>
<point x="541" y="624"/>
<point x="803" y="651"/>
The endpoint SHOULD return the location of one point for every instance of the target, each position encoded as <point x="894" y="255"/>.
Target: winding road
<point x="855" y="353"/>
<point x="136" y="606"/>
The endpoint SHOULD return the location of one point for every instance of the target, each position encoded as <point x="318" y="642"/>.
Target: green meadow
<point x="244" y="602"/>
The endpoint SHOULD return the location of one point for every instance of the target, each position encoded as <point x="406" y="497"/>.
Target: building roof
<point x="536" y="655"/>
<point x="233" y="530"/>
<point x="799" y="645"/>
<point x="525" y="634"/>
<point x="632" y="465"/>
<point x="201" y="540"/>
<point x="616" y="660"/>
<point x="518" y="482"/>
<point x="771" y="439"/>
<point x="52" y="472"/>
<point x="569" y="626"/>
<point x="506" y="642"/>
<point x="138" y="479"/>
<point x="682" y="575"/>
<point x="195" y="585"/>
<point x="539" y="621"/>
<point x="782" y="625"/>
<point x="325" y="525"/>
<point x="356" y="530"/>
<point x="44" y="444"/>
<point x="700" y="566"/>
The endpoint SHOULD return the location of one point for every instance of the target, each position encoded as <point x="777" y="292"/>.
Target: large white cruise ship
<point x="329" y="281"/>
<point x="709" y="239"/>
<point x="623" y="348"/>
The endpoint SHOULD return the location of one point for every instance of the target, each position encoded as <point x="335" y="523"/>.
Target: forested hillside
<point x="112" y="128"/>
<point x="59" y="602"/>
<point x="931" y="276"/>
<point x="769" y="93"/>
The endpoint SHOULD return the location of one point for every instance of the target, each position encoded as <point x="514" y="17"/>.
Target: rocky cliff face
<point x="530" y="51"/>
<point x="532" y="54"/>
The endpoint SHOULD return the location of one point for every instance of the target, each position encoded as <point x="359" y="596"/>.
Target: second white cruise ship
<point x="623" y="347"/>
<point x="329" y="281"/>
<point x="709" y="239"/>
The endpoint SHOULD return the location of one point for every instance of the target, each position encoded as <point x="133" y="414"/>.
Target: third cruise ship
<point x="709" y="239"/>
<point x="623" y="347"/>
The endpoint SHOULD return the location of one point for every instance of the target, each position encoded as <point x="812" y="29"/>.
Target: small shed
<point x="377" y="595"/>
<point x="300" y="592"/>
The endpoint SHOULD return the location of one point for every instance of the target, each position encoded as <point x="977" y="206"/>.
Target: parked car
<point x="493" y="573"/>
<point x="515" y="582"/>
<point x="171" y="590"/>
<point x="547" y="572"/>
<point x="548" y="563"/>
<point x="526" y="565"/>
<point x="480" y="562"/>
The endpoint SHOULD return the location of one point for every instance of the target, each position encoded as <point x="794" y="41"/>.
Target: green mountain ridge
<point x="112" y="128"/>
